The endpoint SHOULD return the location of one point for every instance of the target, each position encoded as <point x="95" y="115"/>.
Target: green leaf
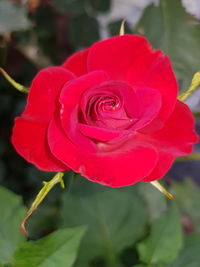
<point x="189" y="256"/>
<point x="12" y="17"/>
<point x="57" y="249"/>
<point x="165" y="240"/>
<point x="170" y="28"/>
<point x="12" y="212"/>
<point x="115" y="217"/>
<point x="188" y="197"/>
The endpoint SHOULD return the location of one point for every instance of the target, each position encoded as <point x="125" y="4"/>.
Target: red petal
<point x="43" y="93"/>
<point x="165" y="162"/>
<point x="131" y="58"/>
<point x="29" y="140"/>
<point x="70" y="100"/>
<point x="150" y="101"/>
<point x="29" y="132"/>
<point x="178" y="136"/>
<point x="77" y="63"/>
<point x="115" y="168"/>
<point x="175" y="139"/>
<point x="98" y="133"/>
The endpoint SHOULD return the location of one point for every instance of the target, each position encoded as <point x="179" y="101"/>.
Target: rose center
<point x="108" y="104"/>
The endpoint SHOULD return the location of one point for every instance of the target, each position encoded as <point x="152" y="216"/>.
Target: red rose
<point x="110" y="113"/>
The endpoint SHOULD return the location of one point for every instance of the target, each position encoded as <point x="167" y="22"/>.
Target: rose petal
<point x="130" y="58"/>
<point x="77" y="63"/>
<point x="175" y="139"/>
<point x="29" y="140"/>
<point x="178" y="136"/>
<point x="100" y="134"/>
<point x="150" y="103"/>
<point x="43" y="93"/>
<point x="70" y="99"/>
<point x="121" y="167"/>
<point x="165" y="162"/>
<point x="29" y="132"/>
<point x="128" y="100"/>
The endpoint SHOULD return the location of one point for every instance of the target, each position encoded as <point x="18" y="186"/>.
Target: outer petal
<point x="44" y="92"/>
<point x="29" y="132"/>
<point x="116" y="168"/>
<point x="178" y="136"/>
<point x="175" y="139"/>
<point x="29" y="140"/>
<point x="131" y="58"/>
<point x="165" y="162"/>
<point x="77" y="63"/>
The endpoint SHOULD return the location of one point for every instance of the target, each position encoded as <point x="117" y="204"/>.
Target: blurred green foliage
<point x="164" y="241"/>
<point x="171" y="29"/>
<point x="133" y="226"/>
<point x="110" y="216"/>
<point x="12" y="212"/>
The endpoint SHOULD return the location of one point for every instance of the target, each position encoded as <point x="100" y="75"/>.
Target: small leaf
<point x="12" y="17"/>
<point x="58" y="249"/>
<point x="12" y="211"/>
<point x="165" y="240"/>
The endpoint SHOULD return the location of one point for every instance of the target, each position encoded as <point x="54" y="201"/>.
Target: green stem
<point x="17" y="86"/>
<point x="58" y="178"/>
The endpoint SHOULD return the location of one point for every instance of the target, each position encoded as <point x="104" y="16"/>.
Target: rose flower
<point x="110" y="113"/>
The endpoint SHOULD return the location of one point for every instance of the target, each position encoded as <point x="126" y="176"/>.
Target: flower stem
<point x="17" y="86"/>
<point x="157" y="185"/>
<point x="58" y="178"/>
